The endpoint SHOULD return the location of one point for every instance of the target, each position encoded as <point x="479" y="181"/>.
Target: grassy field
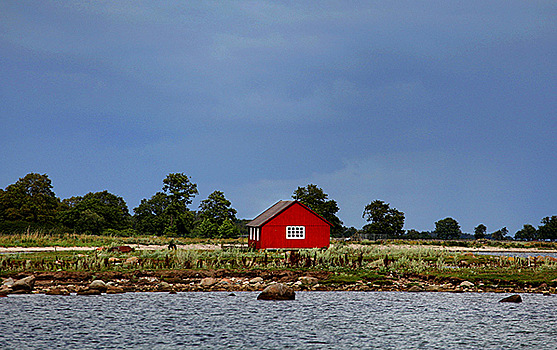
<point x="381" y="263"/>
<point x="46" y="239"/>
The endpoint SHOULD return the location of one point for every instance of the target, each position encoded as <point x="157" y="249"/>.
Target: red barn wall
<point x="273" y="233"/>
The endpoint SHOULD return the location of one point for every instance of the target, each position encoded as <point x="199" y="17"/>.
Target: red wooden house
<point x="289" y="225"/>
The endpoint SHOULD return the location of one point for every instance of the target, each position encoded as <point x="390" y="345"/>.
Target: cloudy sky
<point x="440" y="108"/>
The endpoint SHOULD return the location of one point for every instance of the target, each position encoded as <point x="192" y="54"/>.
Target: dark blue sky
<point x="440" y="108"/>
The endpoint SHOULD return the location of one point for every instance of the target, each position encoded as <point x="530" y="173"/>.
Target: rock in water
<point x="512" y="299"/>
<point x="277" y="291"/>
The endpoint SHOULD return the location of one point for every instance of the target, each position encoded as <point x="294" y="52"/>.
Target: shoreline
<point x="173" y="281"/>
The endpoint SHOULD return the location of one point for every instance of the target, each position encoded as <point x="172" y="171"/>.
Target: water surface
<point x="315" y="320"/>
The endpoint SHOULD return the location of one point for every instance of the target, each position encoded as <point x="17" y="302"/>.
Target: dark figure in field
<point x="387" y="261"/>
<point x="172" y="245"/>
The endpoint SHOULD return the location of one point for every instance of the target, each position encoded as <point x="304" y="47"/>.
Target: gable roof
<point x="276" y="209"/>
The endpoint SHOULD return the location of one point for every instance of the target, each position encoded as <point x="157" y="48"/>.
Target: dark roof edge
<point x="276" y="209"/>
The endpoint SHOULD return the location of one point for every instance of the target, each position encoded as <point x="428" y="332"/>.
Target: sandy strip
<point x="461" y="249"/>
<point x="215" y="247"/>
<point x="135" y="246"/>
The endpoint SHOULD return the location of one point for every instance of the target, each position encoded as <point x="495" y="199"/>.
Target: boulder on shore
<point x="308" y="280"/>
<point x="512" y="299"/>
<point x="57" y="291"/>
<point x="98" y="285"/>
<point x="89" y="292"/>
<point x="8" y="282"/>
<point x="25" y="284"/>
<point x="277" y="291"/>
<point x="114" y="290"/>
<point x="415" y="288"/>
<point x="467" y="284"/>
<point x="208" y="281"/>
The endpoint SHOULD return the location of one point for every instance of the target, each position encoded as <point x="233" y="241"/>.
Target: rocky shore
<point x="171" y="281"/>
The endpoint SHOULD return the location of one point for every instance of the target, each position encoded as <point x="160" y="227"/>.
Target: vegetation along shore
<point x="435" y="266"/>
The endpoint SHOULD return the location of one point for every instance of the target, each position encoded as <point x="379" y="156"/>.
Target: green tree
<point x="180" y="191"/>
<point x="207" y="229"/>
<point x="527" y="233"/>
<point x="548" y="228"/>
<point x="383" y="220"/>
<point x="30" y="199"/>
<point x="95" y="212"/>
<point x="317" y="200"/>
<point x="217" y="208"/>
<point x="415" y="234"/>
<point x="217" y="217"/>
<point x="447" y="228"/>
<point x="167" y="213"/>
<point x="149" y="216"/>
<point x="479" y="231"/>
<point x="500" y="234"/>
<point x="227" y="230"/>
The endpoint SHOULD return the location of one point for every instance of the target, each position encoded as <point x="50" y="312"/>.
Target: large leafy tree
<point x="447" y="228"/>
<point x="95" y="212"/>
<point x="217" y="208"/>
<point x="180" y="191"/>
<point x="167" y="212"/>
<point x="383" y="220"/>
<point x="149" y="217"/>
<point x="30" y="199"/>
<point x="217" y="217"/>
<point x="500" y="234"/>
<point x="316" y="199"/>
<point x="479" y="231"/>
<point x="548" y="228"/>
<point x="527" y="233"/>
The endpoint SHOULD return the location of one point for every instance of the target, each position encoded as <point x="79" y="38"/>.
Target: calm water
<point x="316" y="320"/>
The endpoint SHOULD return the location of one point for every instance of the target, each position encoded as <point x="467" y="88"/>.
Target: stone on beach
<point x="415" y="289"/>
<point x="57" y="291"/>
<point x="98" y="285"/>
<point x="467" y="284"/>
<point x="256" y="280"/>
<point x="89" y="292"/>
<point x="308" y="280"/>
<point x="114" y="290"/>
<point x="208" y="281"/>
<point x="164" y="287"/>
<point x="8" y="282"/>
<point x="24" y="285"/>
<point x="277" y="291"/>
<point x="5" y="290"/>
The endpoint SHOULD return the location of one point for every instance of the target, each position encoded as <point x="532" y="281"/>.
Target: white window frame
<point x="254" y="233"/>
<point x="295" y="232"/>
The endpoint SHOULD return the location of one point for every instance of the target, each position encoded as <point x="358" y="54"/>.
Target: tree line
<point x="30" y="203"/>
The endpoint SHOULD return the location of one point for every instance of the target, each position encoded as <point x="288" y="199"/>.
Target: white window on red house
<point x="295" y="232"/>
